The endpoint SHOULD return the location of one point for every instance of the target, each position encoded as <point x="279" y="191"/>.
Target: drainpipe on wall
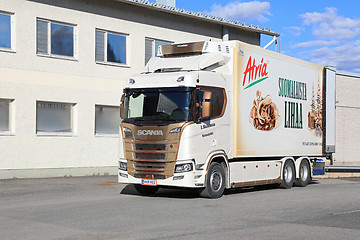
<point x="225" y="33"/>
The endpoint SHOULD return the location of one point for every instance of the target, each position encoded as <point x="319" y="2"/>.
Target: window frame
<point x="11" y="114"/>
<point x="12" y="33"/>
<point x="202" y="87"/>
<point x="153" y="44"/>
<point x="49" y="53"/>
<point x="73" y="120"/>
<point x="101" y="134"/>
<point x="105" y="61"/>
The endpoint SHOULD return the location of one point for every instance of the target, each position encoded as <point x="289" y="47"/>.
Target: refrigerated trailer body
<point x="216" y="115"/>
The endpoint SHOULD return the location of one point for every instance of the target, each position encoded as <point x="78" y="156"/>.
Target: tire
<point x="146" y="190"/>
<point x="288" y="175"/>
<point x="304" y="174"/>
<point x="215" y="181"/>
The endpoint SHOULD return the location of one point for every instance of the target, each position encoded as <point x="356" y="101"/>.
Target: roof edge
<point x="347" y="74"/>
<point x="201" y="16"/>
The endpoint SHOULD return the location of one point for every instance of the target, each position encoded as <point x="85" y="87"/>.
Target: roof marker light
<point x="131" y="81"/>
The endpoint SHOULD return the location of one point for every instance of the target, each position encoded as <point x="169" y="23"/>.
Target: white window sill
<point x="113" y="64"/>
<point x="7" y="134"/>
<point x="9" y="50"/>
<point x="57" y="57"/>
<point x="111" y="135"/>
<point x="55" y="134"/>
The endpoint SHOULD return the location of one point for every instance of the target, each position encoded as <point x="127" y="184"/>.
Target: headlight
<point x="123" y="166"/>
<point x="127" y="132"/>
<point x="186" y="167"/>
<point x="175" y="130"/>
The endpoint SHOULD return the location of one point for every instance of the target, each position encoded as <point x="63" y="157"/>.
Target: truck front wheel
<point x="288" y="175"/>
<point x="146" y="190"/>
<point x="215" y="181"/>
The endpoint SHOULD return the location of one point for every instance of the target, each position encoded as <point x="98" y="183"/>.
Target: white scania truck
<point x="216" y="115"/>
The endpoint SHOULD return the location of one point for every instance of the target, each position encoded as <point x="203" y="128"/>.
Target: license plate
<point x="149" y="182"/>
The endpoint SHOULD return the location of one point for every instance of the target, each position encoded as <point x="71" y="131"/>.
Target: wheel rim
<point x="288" y="173"/>
<point x="304" y="173"/>
<point x="216" y="181"/>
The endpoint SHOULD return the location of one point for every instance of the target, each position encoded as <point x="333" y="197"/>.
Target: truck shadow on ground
<point x="179" y="193"/>
<point x="258" y="188"/>
<point x="185" y="193"/>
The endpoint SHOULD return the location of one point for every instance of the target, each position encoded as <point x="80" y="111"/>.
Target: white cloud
<point x="241" y="11"/>
<point x="336" y="40"/>
<point x="345" y="57"/>
<point x="295" y="30"/>
<point x="315" y="17"/>
<point x="315" y="43"/>
<point x="330" y="25"/>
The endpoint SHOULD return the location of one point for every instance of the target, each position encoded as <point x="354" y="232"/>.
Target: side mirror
<point x="122" y="106"/>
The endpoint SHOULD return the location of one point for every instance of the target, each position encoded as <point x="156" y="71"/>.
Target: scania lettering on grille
<point x="150" y="132"/>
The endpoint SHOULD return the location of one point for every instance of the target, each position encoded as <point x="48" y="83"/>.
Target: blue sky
<point x="326" y="32"/>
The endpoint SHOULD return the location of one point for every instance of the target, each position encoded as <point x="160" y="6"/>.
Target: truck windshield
<point x="160" y="105"/>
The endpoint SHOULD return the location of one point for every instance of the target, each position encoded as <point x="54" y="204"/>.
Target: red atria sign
<point x="255" y="72"/>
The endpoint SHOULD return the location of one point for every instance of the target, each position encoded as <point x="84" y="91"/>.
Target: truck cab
<point x="176" y="117"/>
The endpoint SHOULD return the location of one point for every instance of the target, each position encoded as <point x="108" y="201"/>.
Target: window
<point x="6" y="31"/>
<point x="158" y="105"/>
<point x="151" y="48"/>
<point x="107" y="119"/>
<point x="54" y="117"/>
<point x="5" y="115"/>
<point x="213" y="101"/>
<point x="55" y="39"/>
<point x="110" y="47"/>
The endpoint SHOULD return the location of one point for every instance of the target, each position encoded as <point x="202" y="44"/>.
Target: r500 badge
<point x="149" y="182"/>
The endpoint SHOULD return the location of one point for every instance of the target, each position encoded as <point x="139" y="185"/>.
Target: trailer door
<point x="329" y="128"/>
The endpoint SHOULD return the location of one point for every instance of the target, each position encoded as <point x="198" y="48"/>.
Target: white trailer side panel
<point x="277" y="104"/>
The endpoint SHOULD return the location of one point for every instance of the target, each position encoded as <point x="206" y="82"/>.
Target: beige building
<point x="63" y="64"/>
<point x="347" y="150"/>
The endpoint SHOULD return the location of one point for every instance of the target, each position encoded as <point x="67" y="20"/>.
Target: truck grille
<point x="150" y="147"/>
<point x="153" y="176"/>
<point x="150" y="166"/>
<point x="152" y="156"/>
<point x="151" y="159"/>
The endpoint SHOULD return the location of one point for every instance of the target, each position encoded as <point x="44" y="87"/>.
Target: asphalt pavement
<point x="99" y="208"/>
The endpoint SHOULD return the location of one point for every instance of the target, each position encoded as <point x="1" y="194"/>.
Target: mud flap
<point x="318" y="168"/>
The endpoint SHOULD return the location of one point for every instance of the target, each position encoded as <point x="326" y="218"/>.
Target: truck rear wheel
<point x="288" y="175"/>
<point x="215" y="181"/>
<point x="304" y="174"/>
<point x="146" y="190"/>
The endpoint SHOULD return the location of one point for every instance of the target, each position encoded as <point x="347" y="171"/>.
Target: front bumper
<point x="193" y="179"/>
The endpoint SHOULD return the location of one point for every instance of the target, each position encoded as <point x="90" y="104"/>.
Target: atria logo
<point x="255" y="73"/>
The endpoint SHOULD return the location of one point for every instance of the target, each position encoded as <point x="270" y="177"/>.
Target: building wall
<point x="347" y="150"/>
<point x="27" y="77"/>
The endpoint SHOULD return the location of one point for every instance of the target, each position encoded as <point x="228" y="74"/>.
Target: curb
<point x="337" y="175"/>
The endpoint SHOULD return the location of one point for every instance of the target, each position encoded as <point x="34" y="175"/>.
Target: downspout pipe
<point x="225" y="33"/>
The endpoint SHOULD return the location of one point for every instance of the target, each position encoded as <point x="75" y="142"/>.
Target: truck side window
<point x="215" y="97"/>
